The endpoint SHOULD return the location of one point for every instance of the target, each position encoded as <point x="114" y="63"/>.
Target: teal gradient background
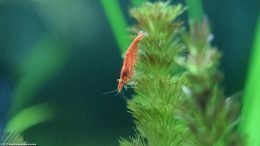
<point x="64" y="53"/>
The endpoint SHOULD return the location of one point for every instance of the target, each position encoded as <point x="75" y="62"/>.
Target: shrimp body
<point x="130" y="61"/>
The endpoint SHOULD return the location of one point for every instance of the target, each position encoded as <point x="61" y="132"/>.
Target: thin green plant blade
<point x="47" y="57"/>
<point x="31" y="116"/>
<point x="117" y="22"/>
<point x="251" y="109"/>
<point x="195" y="10"/>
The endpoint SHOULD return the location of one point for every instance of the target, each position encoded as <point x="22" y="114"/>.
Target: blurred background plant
<point x="11" y="138"/>
<point x="58" y="56"/>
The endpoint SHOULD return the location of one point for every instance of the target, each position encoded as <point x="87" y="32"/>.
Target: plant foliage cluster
<point x="178" y="100"/>
<point x="11" y="138"/>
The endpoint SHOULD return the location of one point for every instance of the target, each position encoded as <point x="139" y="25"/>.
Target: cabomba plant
<point x="212" y="118"/>
<point x="177" y="99"/>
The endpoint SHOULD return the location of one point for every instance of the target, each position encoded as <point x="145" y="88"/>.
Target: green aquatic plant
<point x="118" y="22"/>
<point x="158" y="88"/>
<point x="178" y="100"/>
<point x="251" y="101"/>
<point x="195" y="10"/>
<point x="11" y="138"/>
<point x="31" y="116"/>
<point x="212" y="117"/>
<point x="41" y="64"/>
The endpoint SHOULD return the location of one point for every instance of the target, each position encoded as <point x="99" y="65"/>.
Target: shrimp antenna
<point x="110" y="92"/>
<point x="123" y="95"/>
